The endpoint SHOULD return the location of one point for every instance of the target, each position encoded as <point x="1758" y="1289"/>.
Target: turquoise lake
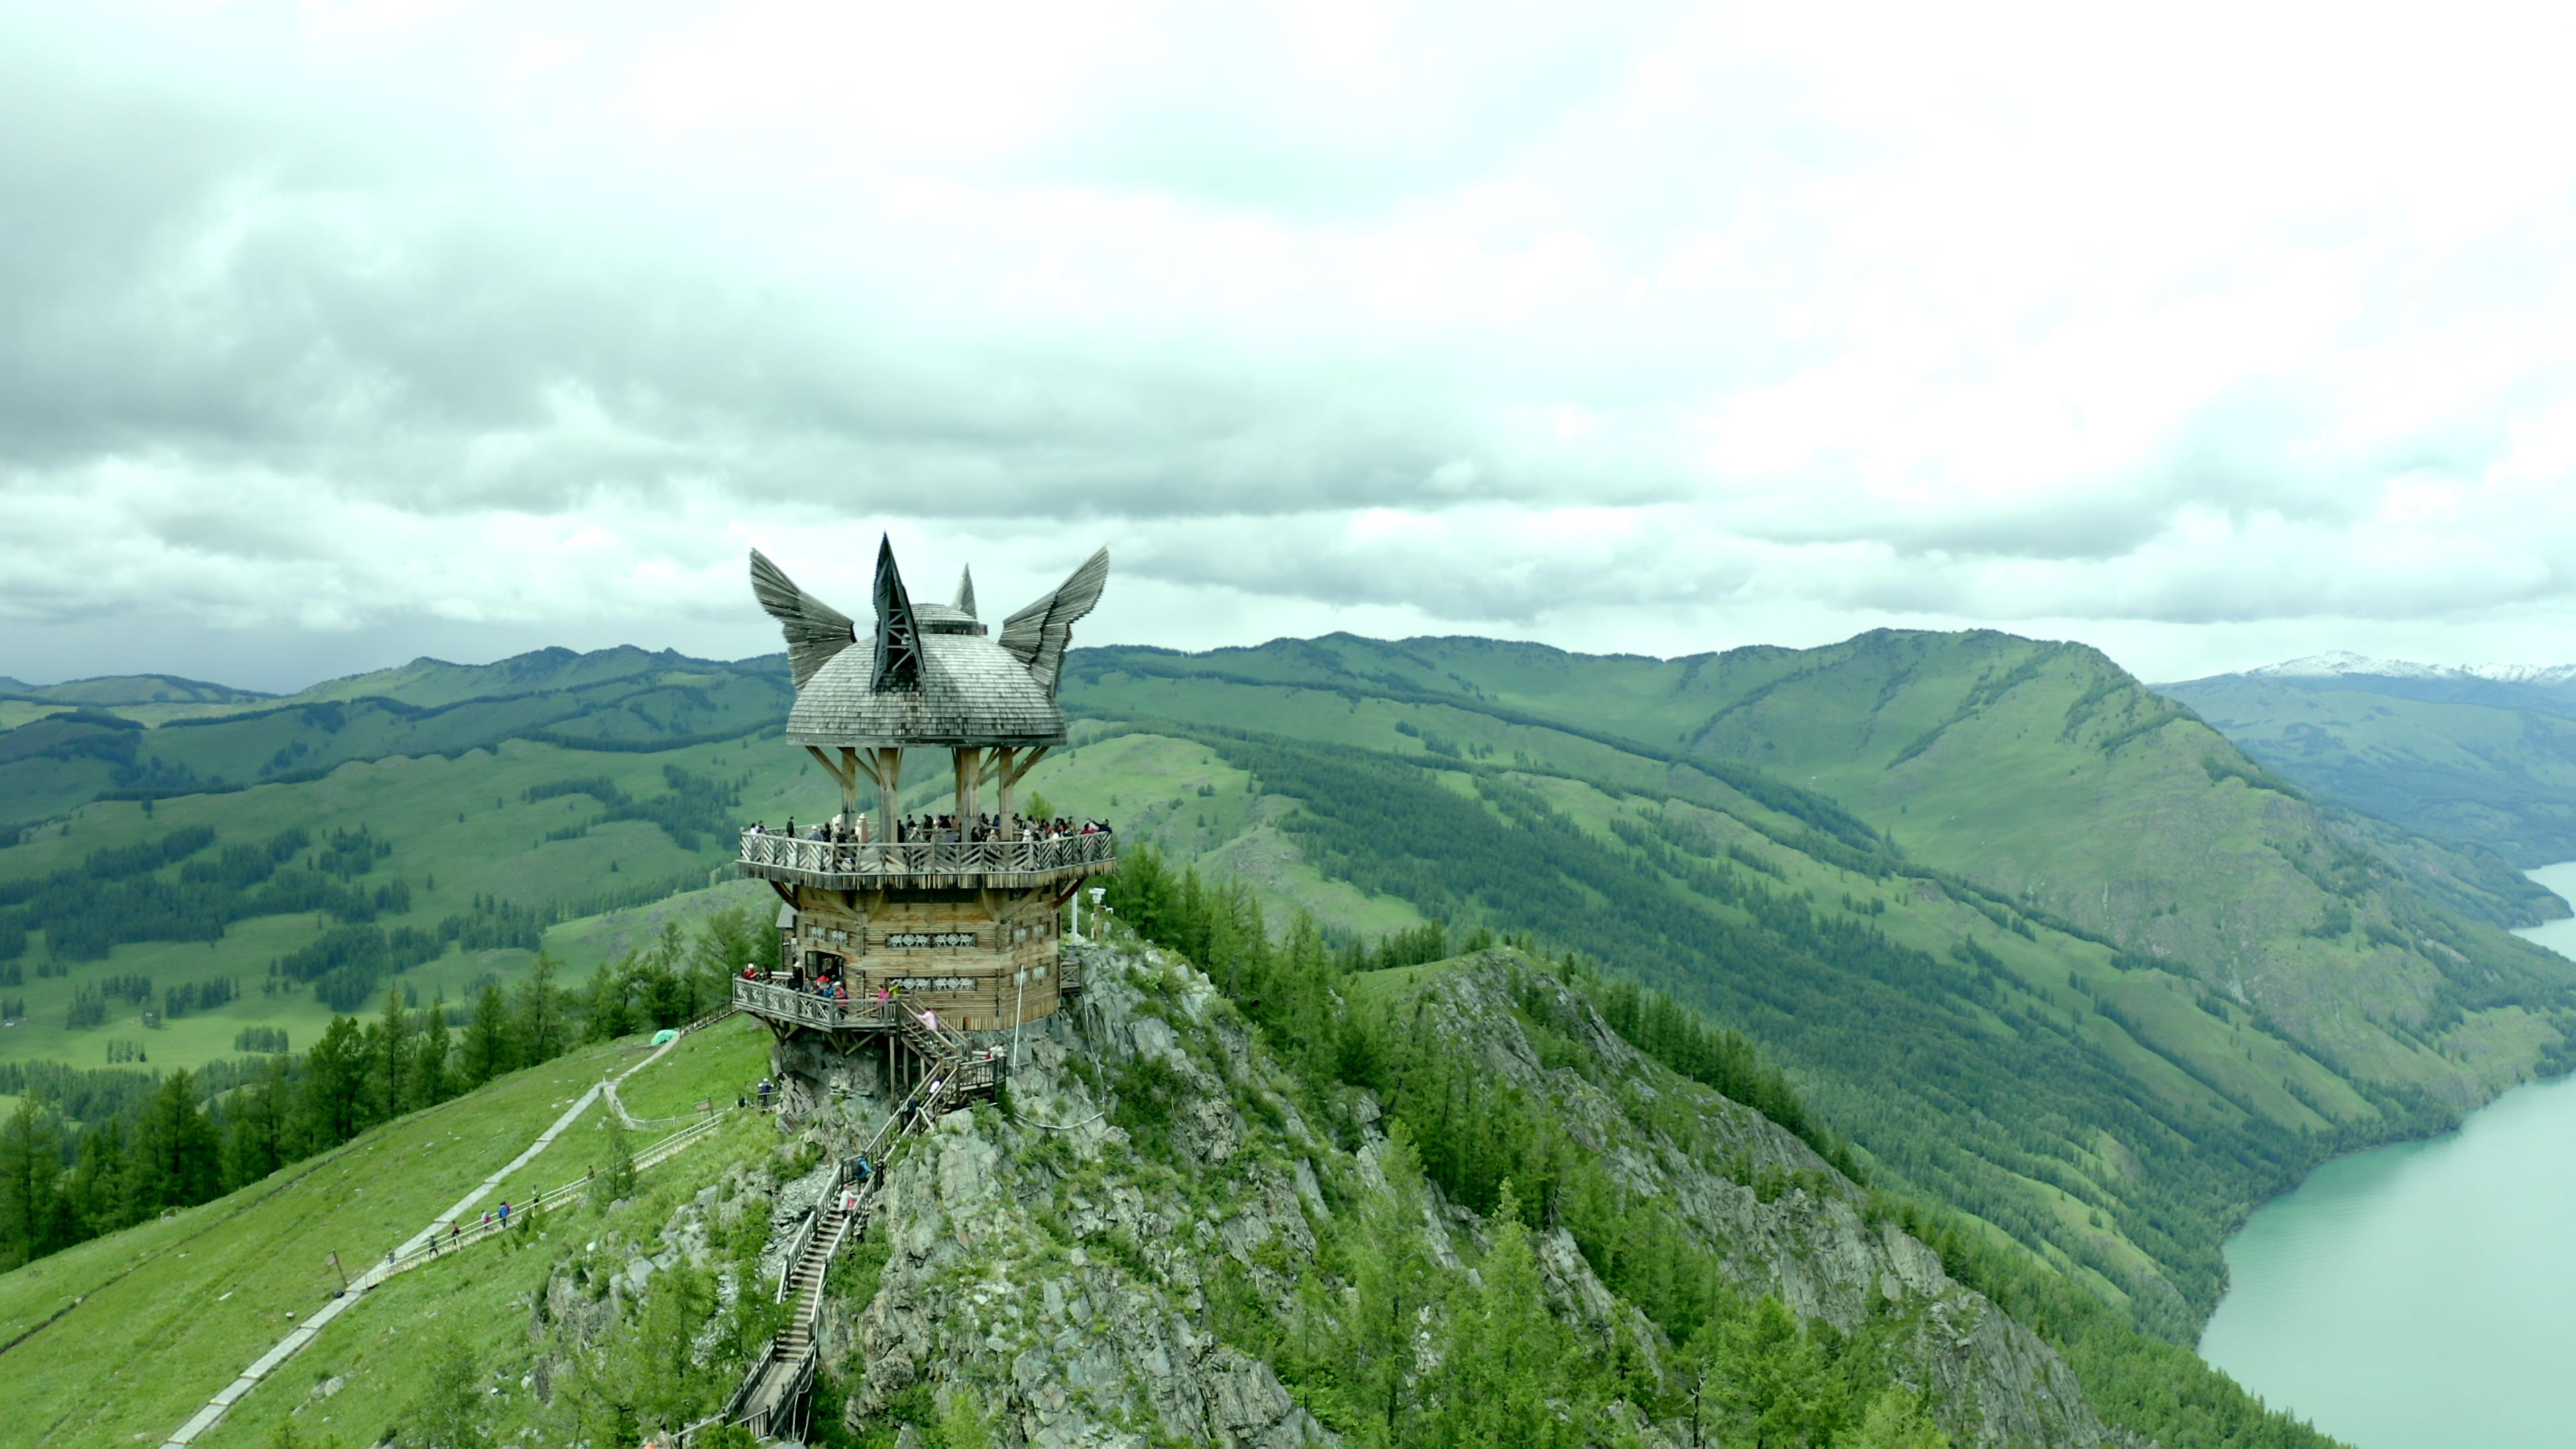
<point x="2423" y="1296"/>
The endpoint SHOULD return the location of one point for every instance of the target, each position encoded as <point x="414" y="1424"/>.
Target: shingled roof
<point x="969" y="693"/>
<point x="943" y="681"/>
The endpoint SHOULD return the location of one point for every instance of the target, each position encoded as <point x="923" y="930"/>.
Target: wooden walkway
<point x="436" y="1240"/>
<point x="773" y="1398"/>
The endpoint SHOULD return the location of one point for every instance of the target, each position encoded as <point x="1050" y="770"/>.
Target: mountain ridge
<point x="2443" y="753"/>
<point x="1825" y="831"/>
<point x="2338" y="663"/>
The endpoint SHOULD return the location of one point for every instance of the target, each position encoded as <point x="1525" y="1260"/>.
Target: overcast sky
<point x="335" y="334"/>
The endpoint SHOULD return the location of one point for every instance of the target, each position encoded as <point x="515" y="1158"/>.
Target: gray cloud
<point x="355" y="325"/>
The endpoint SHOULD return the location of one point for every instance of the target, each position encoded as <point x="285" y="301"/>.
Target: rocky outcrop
<point x="1783" y="1219"/>
<point x="1060" y="1269"/>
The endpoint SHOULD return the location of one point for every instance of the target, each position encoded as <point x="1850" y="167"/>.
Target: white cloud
<point x="1657" y="327"/>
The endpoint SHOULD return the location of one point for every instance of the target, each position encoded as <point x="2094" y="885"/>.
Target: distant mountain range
<point x="2467" y="752"/>
<point x="2343" y="663"/>
<point x="2049" y="949"/>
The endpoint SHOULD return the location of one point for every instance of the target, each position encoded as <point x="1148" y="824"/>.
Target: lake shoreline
<point x="2410" y="1294"/>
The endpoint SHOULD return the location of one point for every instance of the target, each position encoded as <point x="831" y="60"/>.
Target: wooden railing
<point x="746" y="1405"/>
<point x="786" y="1003"/>
<point x="926" y="857"/>
<point x="969" y="1067"/>
<point x="464" y="1235"/>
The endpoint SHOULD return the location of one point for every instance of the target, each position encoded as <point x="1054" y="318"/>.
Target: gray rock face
<point x="1809" y="1245"/>
<point x="1039" y="1260"/>
<point x="818" y="1086"/>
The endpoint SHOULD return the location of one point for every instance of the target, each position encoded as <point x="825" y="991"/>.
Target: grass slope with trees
<point x="1924" y="872"/>
<point x="2001" y="863"/>
<point x="616" y="1319"/>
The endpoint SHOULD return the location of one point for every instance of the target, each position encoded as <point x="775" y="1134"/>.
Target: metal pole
<point x="1018" y="1009"/>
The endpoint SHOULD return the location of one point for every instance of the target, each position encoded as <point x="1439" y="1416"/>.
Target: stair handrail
<point x="829" y="1203"/>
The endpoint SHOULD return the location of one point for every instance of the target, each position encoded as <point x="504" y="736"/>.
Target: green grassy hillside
<point x="2498" y="767"/>
<point x="609" y="1318"/>
<point x="123" y="1337"/>
<point x="1930" y="872"/>
<point x="132" y="689"/>
<point x="2045" y="946"/>
<point x="136" y="743"/>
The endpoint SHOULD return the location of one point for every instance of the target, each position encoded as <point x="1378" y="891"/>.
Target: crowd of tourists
<point x="829" y="984"/>
<point x="994" y="827"/>
<point x="843" y="829"/>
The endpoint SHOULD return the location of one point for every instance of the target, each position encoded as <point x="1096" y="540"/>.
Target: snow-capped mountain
<point x="2343" y="662"/>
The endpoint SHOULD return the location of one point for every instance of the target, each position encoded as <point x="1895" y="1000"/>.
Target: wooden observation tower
<point x="921" y="932"/>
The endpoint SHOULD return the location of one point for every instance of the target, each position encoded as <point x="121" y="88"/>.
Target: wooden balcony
<point x="962" y="1066"/>
<point x="927" y="864"/>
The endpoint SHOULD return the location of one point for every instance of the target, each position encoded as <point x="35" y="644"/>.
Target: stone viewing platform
<point x="927" y="864"/>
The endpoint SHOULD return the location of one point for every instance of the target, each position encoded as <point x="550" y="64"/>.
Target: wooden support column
<point x="973" y="763"/>
<point x="889" y="773"/>
<point x="1010" y="780"/>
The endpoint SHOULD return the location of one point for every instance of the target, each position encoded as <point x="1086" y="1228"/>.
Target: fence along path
<point x="419" y="1247"/>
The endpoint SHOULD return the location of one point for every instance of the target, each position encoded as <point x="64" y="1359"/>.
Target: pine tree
<point x="98" y="1204"/>
<point x="604" y="1006"/>
<point x="451" y="1412"/>
<point x="1505" y="1377"/>
<point x="389" y="1065"/>
<point x="1393" y="1279"/>
<point x="335" y="1078"/>
<point x="615" y="1177"/>
<point x="962" y="1422"/>
<point x="1896" y="1420"/>
<point x="34" y="1217"/>
<point x="428" y="1086"/>
<point x="540" y="1021"/>
<point x="1772" y="1381"/>
<point x="486" y="1053"/>
<point x="260" y="1138"/>
<point x="175" y="1160"/>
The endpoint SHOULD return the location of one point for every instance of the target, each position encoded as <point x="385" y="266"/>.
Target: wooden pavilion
<point x="960" y="923"/>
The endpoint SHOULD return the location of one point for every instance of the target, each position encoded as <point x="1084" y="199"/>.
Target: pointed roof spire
<point x="966" y="591"/>
<point x="898" y="632"/>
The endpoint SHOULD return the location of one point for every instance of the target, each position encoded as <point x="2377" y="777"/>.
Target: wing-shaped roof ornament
<point x="1037" y="635"/>
<point x="815" y="630"/>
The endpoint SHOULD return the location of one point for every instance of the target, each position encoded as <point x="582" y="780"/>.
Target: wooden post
<point x="889" y="787"/>
<point x="1010" y="782"/>
<point x="971" y="769"/>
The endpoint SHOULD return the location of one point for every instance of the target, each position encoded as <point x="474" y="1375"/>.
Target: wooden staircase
<point x="804" y="1285"/>
<point x="771" y="1401"/>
